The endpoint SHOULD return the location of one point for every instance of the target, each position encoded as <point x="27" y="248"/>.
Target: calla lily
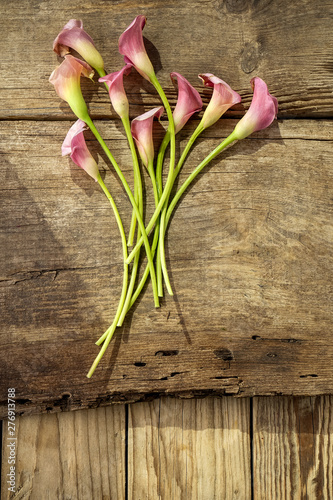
<point x="116" y="90"/>
<point x="142" y="131"/>
<point x="222" y="99"/>
<point x="189" y="101"/>
<point x="261" y="113"/>
<point x="73" y="36"/>
<point x="66" y="80"/>
<point x="131" y="46"/>
<point x="75" y="146"/>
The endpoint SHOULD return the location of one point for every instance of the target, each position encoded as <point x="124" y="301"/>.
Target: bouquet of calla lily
<point x="66" y="80"/>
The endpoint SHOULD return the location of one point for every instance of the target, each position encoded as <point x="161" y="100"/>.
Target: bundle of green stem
<point x="66" y="79"/>
<point x="165" y="203"/>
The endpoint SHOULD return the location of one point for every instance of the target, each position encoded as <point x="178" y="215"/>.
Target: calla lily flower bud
<point x="75" y="146"/>
<point x="142" y="132"/>
<point x="66" y="80"/>
<point x="189" y="101"/>
<point x="222" y="99"/>
<point x="116" y="90"/>
<point x="261" y="113"/>
<point x="131" y="46"/>
<point x="73" y="36"/>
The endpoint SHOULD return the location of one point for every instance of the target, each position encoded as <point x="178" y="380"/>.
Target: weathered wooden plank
<point x="77" y="455"/>
<point x="188" y="449"/>
<point x="250" y="258"/>
<point x="235" y="40"/>
<point x="292" y="448"/>
<point x="178" y="448"/>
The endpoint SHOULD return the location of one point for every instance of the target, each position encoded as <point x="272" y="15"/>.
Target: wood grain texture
<point x="292" y="448"/>
<point x="252" y="273"/>
<point x="291" y="51"/>
<point x="71" y="455"/>
<point x="198" y="448"/>
<point x="187" y="449"/>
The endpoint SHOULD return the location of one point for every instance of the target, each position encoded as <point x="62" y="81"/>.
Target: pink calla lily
<point x="73" y="36"/>
<point x="261" y="113"/>
<point x="188" y="103"/>
<point x="116" y="90"/>
<point x="75" y="146"/>
<point x="222" y="99"/>
<point x="142" y="132"/>
<point x="131" y="46"/>
<point x="66" y="81"/>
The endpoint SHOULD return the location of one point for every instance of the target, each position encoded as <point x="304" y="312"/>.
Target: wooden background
<point x="249" y="253"/>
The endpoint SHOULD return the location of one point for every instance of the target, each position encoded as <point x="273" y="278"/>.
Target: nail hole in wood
<point x="166" y="353"/>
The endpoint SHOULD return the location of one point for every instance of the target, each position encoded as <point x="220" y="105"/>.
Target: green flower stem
<point x="110" y="331"/>
<point x="161" y="262"/>
<point x="151" y="173"/>
<point x="169" y="181"/>
<point x="158" y="175"/>
<point x="131" y="232"/>
<point x="159" y="180"/>
<point x="159" y="162"/>
<point x="144" y="236"/>
<point x="230" y="139"/>
<point x="130" y="289"/>
<point x="188" y="146"/>
<point x="138" y="184"/>
<point x="129" y="299"/>
<point x="102" y="73"/>
<point x="156" y="196"/>
<point x="137" y="178"/>
<point x="159" y="272"/>
<point x="146" y="271"/>
<point x="171" y="127"/>
<point x="108" y="336"/>
<point x="175" y="200"/>
<point x="127" y="128"/>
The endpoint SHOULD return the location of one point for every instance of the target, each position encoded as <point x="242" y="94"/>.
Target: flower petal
<point x="261" y="113"/>
<point x="142" y="132"/>
<point x="116" y="90"/>
<point x="73" y="36"/>
<point x="131" y="46"/>
<point x="78" y="127"/>
<point x="189" y="101"/>
<point x="66" y="80"/>
<point x="222" y="99"/>
<point x="75" y="146"/>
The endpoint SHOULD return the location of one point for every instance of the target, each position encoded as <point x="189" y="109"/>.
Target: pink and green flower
<point x="73" y="36"/>
<point x="131" y="46"/>
<point x="75" y="146"/>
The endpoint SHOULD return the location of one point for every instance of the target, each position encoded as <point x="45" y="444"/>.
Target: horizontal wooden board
<point x="250" y="257"/>
<point x="289" y="44"/>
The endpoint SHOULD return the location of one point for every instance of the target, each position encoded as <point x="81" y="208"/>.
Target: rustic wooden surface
<point x="249" y="248"/>
<point x="249" y="253"/>
<point x="72" y="455"/>
<point x="292" y="448"/>
<point x="289" y="44"/>
<point x="197" y="442"/>
<point x="252" y="309"/>
<point x="265" y="449"/>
